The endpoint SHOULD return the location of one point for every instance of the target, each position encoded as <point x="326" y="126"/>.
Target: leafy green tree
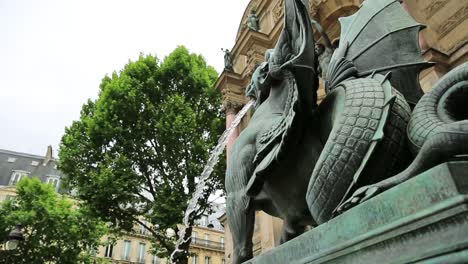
<point x="56" y="230"/>
<point x="138" y="149"/>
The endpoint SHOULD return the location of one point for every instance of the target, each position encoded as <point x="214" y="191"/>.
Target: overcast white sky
<point x="53" y="54"/>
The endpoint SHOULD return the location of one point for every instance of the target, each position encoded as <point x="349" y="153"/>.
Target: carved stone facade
<point x="444" y="41"/>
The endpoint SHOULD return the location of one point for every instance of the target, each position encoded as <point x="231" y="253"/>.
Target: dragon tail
<point x="444" y="107"/>
<point x="438" y="128"/>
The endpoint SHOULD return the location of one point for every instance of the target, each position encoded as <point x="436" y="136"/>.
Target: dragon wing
<point x="381" y="37"/>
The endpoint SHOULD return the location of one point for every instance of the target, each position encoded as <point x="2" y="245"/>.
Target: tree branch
<point x="150" y="184"/>
<point x="160" y="237"/>
<point x="145" y="198"/>
<point x="159" y="163"/>
<point x="199" y="213"/>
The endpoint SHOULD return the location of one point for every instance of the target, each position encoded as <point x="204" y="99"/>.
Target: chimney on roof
<point x="48" y="156"/>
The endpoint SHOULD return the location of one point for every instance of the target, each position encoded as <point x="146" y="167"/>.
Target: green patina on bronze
<point x="300" y="161"/>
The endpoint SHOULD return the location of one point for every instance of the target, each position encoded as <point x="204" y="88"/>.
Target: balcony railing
<point x="207" y="243"/>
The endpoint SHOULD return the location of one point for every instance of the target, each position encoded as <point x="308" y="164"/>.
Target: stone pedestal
<point x="424" y="220"/>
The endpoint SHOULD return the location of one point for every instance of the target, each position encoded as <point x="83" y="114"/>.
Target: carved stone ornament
<point x="314" y="7"/>
<point x="456" y="19"/>
<point x="433" y="7"/>
<point x="231" y="107"/>
<point x="278" y="10"/>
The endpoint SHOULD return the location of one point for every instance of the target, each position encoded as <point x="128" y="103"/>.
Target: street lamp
<point x="13" y="239"/>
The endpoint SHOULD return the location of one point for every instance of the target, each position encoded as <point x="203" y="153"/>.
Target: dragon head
<point x="259" y="87"/>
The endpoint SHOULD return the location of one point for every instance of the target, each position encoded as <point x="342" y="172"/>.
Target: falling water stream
<point x="208" y="169"/>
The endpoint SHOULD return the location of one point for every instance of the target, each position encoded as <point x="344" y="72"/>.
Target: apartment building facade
<point x="207" y="245"/>
<point x="208" y="241"/>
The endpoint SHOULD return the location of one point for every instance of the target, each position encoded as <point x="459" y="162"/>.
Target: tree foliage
<point x="55" y="229"/>
<point x="138" y="149"/>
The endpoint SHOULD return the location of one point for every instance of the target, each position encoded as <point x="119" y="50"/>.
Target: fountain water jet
<point x="208" y="169"/>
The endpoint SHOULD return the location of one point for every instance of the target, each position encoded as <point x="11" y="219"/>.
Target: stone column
<point x="231" y="109"/>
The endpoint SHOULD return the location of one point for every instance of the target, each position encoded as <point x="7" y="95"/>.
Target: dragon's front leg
<point x="240" y="215"/>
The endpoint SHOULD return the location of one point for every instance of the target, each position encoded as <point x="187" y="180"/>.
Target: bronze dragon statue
<point x="299" y="160"/>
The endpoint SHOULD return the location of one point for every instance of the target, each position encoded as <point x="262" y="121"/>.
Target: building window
<point x="109" y="251"/>
<point x="10" y="197"/>
<point x="221" y="240"/>
<point x="143" y="230"/>
<point x="126" y="250"/>
<point x="223" y="261"/>
<point x="204" y="220"/>
<point x="54" y="181"/>
<point x="195" y="259"/>
<point x="141" y="253"/>
<point x="207" y="238"/>
<point x="156" y="260"/>
<point x="207" y="260"/>
<point x="194" y="237"/>
<point x="16" y="176"/>
<point x="11" y="159"/>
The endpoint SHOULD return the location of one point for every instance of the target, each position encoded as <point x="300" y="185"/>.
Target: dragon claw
<point x="360" y="195"/>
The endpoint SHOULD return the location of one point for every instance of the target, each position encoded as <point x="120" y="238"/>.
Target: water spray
<point x="207" y="170"/>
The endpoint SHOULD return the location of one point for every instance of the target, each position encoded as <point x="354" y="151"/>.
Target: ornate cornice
<point x="228" y="77"/>
<point x="456" y="56"/>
